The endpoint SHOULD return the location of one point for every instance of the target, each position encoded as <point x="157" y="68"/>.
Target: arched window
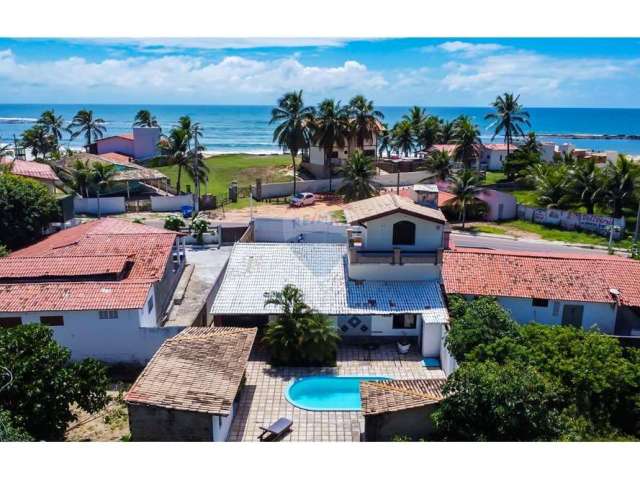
<point x="404" y="233"/>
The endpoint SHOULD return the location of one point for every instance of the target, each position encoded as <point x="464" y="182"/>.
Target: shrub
<point x="199" y="227"/>
<point x="173" y="222"/>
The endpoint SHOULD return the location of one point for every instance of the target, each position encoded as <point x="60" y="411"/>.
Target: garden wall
<point x="108" y="205"/>
<point x="171" y="204"/>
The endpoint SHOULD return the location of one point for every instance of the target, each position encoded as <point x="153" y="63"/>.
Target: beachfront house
<point x="103" y="287"/>
<point x="140" y="145"/>
<point x="588" y="291"/>
<point x="189" y="391"/>
<point x="40" y="172"/>
<point x="380" y="285"/>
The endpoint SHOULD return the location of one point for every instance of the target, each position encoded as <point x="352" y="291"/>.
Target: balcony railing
<point x="391" y="257"/>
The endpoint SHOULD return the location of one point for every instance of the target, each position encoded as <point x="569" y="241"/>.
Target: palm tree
<point x="551" y="184"/>
<point x="196" y="168"/>
<point x="174" y="150"/>
<point x="440" y="163"/>
<point x="145" y="119"/>
<point x="508" y="118"/>
<point x="621" y="179"/>
<point x="531" y="144"/>
<point x="586" y="183"/>
<point x="6" y="151"/>
<point x="366" y="119"/>
<point x="330" y="128"/>
<point x="402" y="137"/>
<point x="430" y="132"/>
<point x="446" y="132"/>
<point x="465" y="185"/>
<point x="53" y="124"/>
<point x="102" y="177"/>
<point x="81" y="176"/>
<point x="384" y="141"/>
<point x="84" y="124"/>
<point x="416" y="117"/>
<point x="357" y="177"/>
<point x="38" y="140"/>
<point x="293" y="131"/>
<point x="466" y="137"/>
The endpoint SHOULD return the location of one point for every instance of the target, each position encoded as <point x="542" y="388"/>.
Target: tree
<point x="357" y="177"/>
<point x="300" y="336"/>
<point x="550" y="183"/>
<point x="430" y="132"/>
<point x="586" y="183"/>
<point x="293" y="129"/>
<point x="447" y="132"/>
<point x="45" y="382"/>
<point x="416" y="118"/>
<point x="531" y="144"/>
<point x="440" y="163"/>
<point x="174" y="223"/>
<point x="4" y="251"/>
<point x="53" y="124"/>
<point x="466" y="137"/>
<point x="173" y="150"/>
<point x="38" y="141"/>
<point x="9" y="432"/>
<point x="465" y="185"/>
<point x="101" y="177"/>
<point x="85" y="124"/>
<point x="366" y="119"/>
<point x="402" y="137"/>
<point x="384" y="141"/>
<point x="482" y="321"/>
<point x="508" y="119"/>
<point x="490" y="402"/>
<point x="80" y="172"/>
<point x="519" y="163"/>
<point x="330" y="128"/>
<point x="145" y="119"/>
<point x="26" y="209"/>
<point x="621" y="179"/>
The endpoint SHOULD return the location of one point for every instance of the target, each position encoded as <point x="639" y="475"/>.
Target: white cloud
<point x="466" y="49"/>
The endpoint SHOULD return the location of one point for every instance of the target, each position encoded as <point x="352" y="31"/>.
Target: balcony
<point x="391" y="257"/>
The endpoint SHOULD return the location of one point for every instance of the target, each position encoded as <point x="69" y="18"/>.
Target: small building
<point x="399" y="408"/>
<point x="585" y="291"/>
<point x="140" y="145"/>
<point x="493" y="155"/>
<point x="190" y="388"/>
<point x="40" y="172"/>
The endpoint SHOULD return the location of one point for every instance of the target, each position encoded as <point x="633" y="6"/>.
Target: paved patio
<point x="262" y="399"/>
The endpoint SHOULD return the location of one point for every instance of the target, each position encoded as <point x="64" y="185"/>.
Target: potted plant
<point x="403" y="344"/>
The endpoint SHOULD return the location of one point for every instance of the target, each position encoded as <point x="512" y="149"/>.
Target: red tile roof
<point x="568" y="277"/>
<point x="116" y="158"/>
<point x="90" y="249"/>
<point x="125" y="136"/>
<point x="498" y="146"/>
<point x="32" y="169"/>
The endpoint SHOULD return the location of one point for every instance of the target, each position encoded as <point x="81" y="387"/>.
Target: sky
<point x="585" y="72"/>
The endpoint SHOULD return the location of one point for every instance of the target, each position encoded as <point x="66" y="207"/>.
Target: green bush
<point x="173" y="222"/>
<point x="199" y="226"/>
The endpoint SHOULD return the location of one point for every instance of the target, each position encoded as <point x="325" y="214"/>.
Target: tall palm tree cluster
<point x="330" y="125"/>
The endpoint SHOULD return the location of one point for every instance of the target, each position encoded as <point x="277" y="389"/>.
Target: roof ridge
<point x="385" y="385"/>
<point x="534" y="254"/>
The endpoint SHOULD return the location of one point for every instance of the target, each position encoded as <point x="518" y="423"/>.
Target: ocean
<point x="246" y="128"/>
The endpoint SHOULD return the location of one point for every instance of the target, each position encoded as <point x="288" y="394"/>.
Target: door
<point x="572" y="315"/>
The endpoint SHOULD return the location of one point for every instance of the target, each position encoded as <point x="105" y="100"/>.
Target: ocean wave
<point x="17" y="120"/>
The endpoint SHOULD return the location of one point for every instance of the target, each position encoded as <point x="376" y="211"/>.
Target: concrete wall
<point x="571" y="220"/>
<point x="447" y="362"/>
<point x="414" y="422"/>
<point x="145" y="144"/>
<point x="155" y="424"/>
<point x="495" y="198"/>
<point x="386" y="271"/>
<point x="288" y="230"/>
<point x="171" y="204"/>
<point x="221" y="425"/>
<point x="431" y="339"/>
<point x="380" y="233"/>
<point x="117" y="145"/>
<point x="382" y="325"/>
<point x="108" y="205"/>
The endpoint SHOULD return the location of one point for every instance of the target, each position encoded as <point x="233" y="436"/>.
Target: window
<point x="107" y="314"/>
<point x="7" y="322"/>
<point x="556" y="308"/>
<point x="404" y="233"/>
<point x="150" y="305"/>
<point x="539" y="302"/>
<point x="404" y="321"/>
<point x="52" y="320"/>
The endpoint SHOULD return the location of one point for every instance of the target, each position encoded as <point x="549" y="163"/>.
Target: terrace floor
<point x="262" y="399"/>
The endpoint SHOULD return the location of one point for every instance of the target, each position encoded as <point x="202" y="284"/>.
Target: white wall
<point x="571" y="220"/>
<point x="386" y="271"/>
<point x="171" y="204"/>
<point x="447" y="362"/>
<point x="222" y="425"/>
<point x="108" y="205"/>
<point x="380" y="233"/>
<point x="145" y="143"/>
<point x="116" y="144"/>
<point x="494" y="158"/>
<point x="494" y="198"/>
<point x="288" y="229"/>
<point x="382" y="325"/>
<point x="431" y="339"/>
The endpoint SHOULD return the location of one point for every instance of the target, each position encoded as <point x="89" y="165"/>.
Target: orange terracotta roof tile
<point x="32" y="169"/>
<point x="78" y="266"/>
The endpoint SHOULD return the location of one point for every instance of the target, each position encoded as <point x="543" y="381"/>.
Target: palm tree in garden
<point x="293" y="129"/>
<point x="531" y="144"/>
<point x="429" y="133"/>
<point x="52" y="123"/>
<point x="466" y="137"/>
<point x="38" y="141"/>
<point x="402" y="137"/>
<point x="440" y="163"/>
<point x="101" y="175"/>
<point x="621" y="179"/>
<point x="174" y="150"/>
<point x="85" y="124"/>
<point x="508" y="119"/>
<point x="81" y="176"/>
<point x="145" y="119"/>
<point x="366" y="119"/>
<point x="586" y="183"/>
<point x="357" y="177"/>
<point x="416" y="117"/>
<point x="465" y="185"/>
<point x="384" y="141"/>
<point x="330" y="128"/>
<point x="446" y="132"/>
<point x="550" y="183"/>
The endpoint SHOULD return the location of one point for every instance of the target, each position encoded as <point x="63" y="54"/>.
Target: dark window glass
<point x="540" y="302"/>
<point x="404" y="233"/>
<point x="404" y="321"/>
<point x="52" y="321"/>
<point x="7" y="322"/>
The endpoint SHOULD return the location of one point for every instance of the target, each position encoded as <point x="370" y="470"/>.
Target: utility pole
<point x="196" y="201"/>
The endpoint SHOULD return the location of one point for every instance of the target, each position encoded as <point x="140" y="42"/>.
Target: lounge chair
<point x="276" y="430"/>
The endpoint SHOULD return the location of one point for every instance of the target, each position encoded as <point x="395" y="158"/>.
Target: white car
<point x="302" y="199"/>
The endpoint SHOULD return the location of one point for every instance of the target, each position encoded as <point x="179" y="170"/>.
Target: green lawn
<point x="550" y="233"/>
<point x="487" y="229"/>
<point x="241" y="167"/>
<point x="494" y="177"/>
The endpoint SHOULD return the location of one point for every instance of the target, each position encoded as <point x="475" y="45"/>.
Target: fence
<point x="275" y="190"/>
<point x="572" y="220"/>
<point x="171" y="204"/>
<point x="108" y="205"/>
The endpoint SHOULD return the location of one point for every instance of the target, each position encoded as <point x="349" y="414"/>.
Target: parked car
<point x="302" y="199"/>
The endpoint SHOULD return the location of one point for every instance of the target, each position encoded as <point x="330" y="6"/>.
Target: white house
<point x="382" y="283"/>
<point x="141" y="145"/>
<point x="554" y="289"/>
<point x="493" y="155"/>
<point x="102" y="286"/>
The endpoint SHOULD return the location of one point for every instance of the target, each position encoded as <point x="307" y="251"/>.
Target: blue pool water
<point x="325" y="392"/>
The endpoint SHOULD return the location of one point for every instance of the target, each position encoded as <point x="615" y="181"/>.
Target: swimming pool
<point x="327" y="392"/>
